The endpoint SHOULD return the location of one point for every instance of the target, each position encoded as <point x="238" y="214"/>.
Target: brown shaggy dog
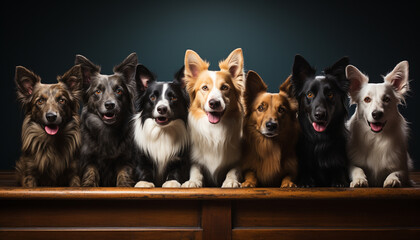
<point x="50" y="130"/>
<point x="271" y="132"/>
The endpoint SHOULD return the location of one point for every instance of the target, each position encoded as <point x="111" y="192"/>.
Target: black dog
<point x="106" y="158"/>
<point x="322" y="114"/>
<point x="160" y="131"/>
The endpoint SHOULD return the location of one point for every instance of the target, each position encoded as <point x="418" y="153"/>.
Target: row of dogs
<point x="213" y="128"/>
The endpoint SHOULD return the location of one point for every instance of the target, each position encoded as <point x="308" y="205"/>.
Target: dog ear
<point x="73" y="80"/>
<point x="127" y="68"/>
<point x="194" y="65"/>
<point x="143" y="78"/>
<point x="398" y="78"/>
<point x="88" y="69"/>
<point x="254" y="86"/>
<point x="357" y="80"/>
<point x="287" y="87"/>
<point x="25" y="82"/>
<point x="179" y="77"/>
<point x="338" y="71"/>
<point x="300" y="72"/>
<point x="234" y="63"/>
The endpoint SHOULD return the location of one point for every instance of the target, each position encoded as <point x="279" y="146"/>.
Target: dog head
<point x="322" y="99"/>
<point x="163" y="102"/>
<point x="214" y="94"/>
<point x="51" y="106"/>
<point x="377" y="103"/>
<point x="108" y="96"/>
<point x="268" y="113"/>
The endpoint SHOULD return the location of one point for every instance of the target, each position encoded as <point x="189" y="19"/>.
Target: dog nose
<point x="214" y="104"/>
<point x="51" y="117"/>
<point x="162" y="109"/>
<point x="377" y="114"/>
<point x="271" y="126"/>
<point x="320" y="115"/>
<point x="109" y="105"/>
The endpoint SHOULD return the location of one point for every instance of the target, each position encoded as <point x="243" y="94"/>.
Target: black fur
<point x="149" y="93"/>
<point x="106" y="132"/>
<point x="322" y="155"/>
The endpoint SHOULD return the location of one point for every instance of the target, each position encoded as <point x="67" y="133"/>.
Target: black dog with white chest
<point x="322" y="114"/>
<point x="160" y="131"/>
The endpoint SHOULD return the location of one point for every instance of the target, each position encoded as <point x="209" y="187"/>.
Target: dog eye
<point x="260" y="108"/>
<point x="224" y="87"/>
<point x="330" y="95"/>
<point x="173" y="98"/>
<point x="205" y="88"/>
<point x="387" y="99"/>
<point x="62" y="101"/>
<point x="281" y="109"/>
<point x="310" y="94"/>
<point x="98" y="92"/>
<point x="119" y="91"/>
<point x="40" y="101"/>
<point x="153" y="97"/>
<point x="367" y="99"/>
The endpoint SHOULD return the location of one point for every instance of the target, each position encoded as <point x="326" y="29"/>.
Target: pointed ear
<point x="73" y="80"/>
<point x="357" y="81"/>
<point x="234" y="63"/>
<point x="143" y="78"/>
<point x="179" y="77"/>
<point x="300" y="72"/>
<point x="128" y="67"/>
<point x="25" y="82"/>
<point x="287" y="87"/>
<point x="88" y="69"/>
<point x="398" y="78"/>
<point x="338" y="71"/>
<point x="194" y="65"/>
<point x="254" y="86"/>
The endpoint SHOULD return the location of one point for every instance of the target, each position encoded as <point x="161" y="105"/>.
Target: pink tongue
<point x="51" y="130"/>
<point x="214" y="117"/>
<point x="318" y="127"/>
<point x="376" y="127"/>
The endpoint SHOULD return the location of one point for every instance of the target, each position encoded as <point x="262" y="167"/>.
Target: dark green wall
<point x="46" y="37"/>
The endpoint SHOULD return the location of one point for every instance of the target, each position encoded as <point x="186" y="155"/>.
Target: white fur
<point x="171" y="184"/>
<point x="215" y="94"/>
<point x="144" y="184"/>
<point x="377" y="159"/>
<point x="160" y="143"/>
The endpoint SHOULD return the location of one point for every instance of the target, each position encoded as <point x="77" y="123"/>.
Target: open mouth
<point x="162" y="120"/>
<point x="215" y="117"/>
<point x="108" y="116"/>
<point x="319" y="126"/>
<point x="270" y="135"/>
<point x="376" y="127"/>
<point x="51" y="129"/>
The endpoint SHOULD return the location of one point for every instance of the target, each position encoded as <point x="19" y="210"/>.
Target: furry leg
<point x="90" y="177"/>
<point x="358" y="177"/>
<point x="394" y="179"/>
<point x="231" y="180"/>
<point x="124" y="177"/>
<point x="250" y="180"/>
<point x="196" y="178"/>
<point x="287" y="182"/>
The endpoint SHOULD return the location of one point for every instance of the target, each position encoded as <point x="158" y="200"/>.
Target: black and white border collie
<point x="160" y="131"/>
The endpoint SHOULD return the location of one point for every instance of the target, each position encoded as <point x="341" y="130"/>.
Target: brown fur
<point x="269" y="161"/>
<point x="49" y="160"/>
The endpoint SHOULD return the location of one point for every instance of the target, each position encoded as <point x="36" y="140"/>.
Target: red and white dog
<point x="215" y="119"/>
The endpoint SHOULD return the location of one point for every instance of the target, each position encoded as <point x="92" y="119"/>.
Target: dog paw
<point x="171" y="184"/>
<point x="359" y="182"/>
<point x="192" y="184"/>
<point x="247" y="184"/>
<point x="288" y="185"/>
<point x="231" y="183"/>
<point x="392" y="182"/>
<point x="144" y="184"/>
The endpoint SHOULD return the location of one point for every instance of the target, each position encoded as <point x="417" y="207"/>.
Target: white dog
<point x="378" y="132"/>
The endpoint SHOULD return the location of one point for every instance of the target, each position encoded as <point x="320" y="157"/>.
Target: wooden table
<point x="208" y="213"/>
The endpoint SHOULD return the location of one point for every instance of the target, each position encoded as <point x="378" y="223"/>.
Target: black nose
<point x="377" y="114"/>
<point x="320" y="115"/>
<point x="109" y="105"/>
<point x="271" y="126"/>
<point x="214" y="104"/>
<point x="162" y="109"/>
<point x="51" y="117"/>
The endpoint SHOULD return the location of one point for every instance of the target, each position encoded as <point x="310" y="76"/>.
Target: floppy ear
<point x="143" y="78"/>
<point x="357" y="81"/>
<point x="88" y="69"/>
<point x="73" y="80"/>
<point x="127" y="68"/>
<point x="300" y="72"/>
<point x="25" y="82"/>
<point x="254" y="86"/>
<point x="194" y="65"/>
<point x="398" y="78"/>
<point x="338" y="70"/>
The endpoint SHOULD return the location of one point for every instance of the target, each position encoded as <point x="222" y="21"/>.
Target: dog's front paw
<point x="231" y="183"/>
<point x="288" y="184"/>
<point x="392" y="181"/>
<point x="192" y="184"/>
<point x="359" y="182"/>
<point x="171" y="184"/>
<point x="144" y="184"/>
<point x="248" y="184"/>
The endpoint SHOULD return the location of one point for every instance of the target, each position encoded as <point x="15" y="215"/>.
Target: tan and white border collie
<point x="215" y="119"/>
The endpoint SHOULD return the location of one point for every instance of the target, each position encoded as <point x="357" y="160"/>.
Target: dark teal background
<point x="45" y="37"/>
